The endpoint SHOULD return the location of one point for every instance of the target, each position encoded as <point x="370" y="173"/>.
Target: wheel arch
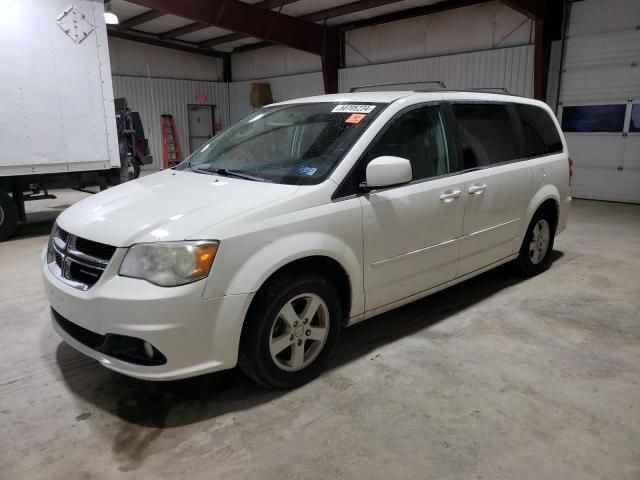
<point x="548" y="197"/>
<point x="327" y="267"/>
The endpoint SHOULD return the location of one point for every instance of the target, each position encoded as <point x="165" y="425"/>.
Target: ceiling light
<point x="110" y="18"/>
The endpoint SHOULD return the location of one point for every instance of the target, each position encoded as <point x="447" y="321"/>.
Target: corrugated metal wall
<point x="469" y="29"/>
<point x="153" y="97"/>
<point x="282" y="88"/>
<point x="511" y="68"/>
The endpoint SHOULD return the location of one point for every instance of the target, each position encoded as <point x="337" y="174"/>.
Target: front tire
<point x="291" y="330"/>
<point x="537" y="245"/>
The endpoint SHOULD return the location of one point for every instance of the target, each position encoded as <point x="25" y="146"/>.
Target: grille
<point x="62" y="234"/>
<point x="77" y="261"/>
<point x="95" y="249"/>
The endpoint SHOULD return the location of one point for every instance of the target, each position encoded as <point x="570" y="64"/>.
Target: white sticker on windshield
<point x="348" y="108"/>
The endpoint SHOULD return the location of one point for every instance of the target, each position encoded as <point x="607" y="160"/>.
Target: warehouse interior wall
<point x="487" y="45"/>
<point x="479" y="27"/>
<point x="511" y="68"/>
<point x="139" y="59"/>
<point x="153" y="97"/>
<point x="157" y="81"/>
<point x="275" y="61"/>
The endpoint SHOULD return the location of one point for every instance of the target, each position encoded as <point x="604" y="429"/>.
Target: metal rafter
<point x="531" y="8"/>
<point x="194" y="27"/>
<point x="318" y="16"/>
<point x="138" y="19"/>
<point x="150" y="39"/>
<point x="248" y="19"/>
<point x="442" y="6"/>
<point x="178" y="32"/>
<point x="385" y="18"/>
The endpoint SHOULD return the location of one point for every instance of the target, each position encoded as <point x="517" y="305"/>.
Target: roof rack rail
<point x="361" y="87"/>
<point x="491" y="89"/>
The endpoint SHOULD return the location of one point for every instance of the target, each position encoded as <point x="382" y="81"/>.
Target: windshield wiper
<point x="198" y="169"/>
<point x="225" y="172"/>
<point x="235" y="173"/>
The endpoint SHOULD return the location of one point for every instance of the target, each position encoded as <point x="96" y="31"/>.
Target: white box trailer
<point x="57" y="117"/>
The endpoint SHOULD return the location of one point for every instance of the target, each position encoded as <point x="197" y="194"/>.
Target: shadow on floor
<point x="40" y="223"/>
<point x="183" y="402"/>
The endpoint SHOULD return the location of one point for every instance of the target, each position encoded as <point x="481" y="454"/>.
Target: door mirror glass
<point x="387" y="171"/>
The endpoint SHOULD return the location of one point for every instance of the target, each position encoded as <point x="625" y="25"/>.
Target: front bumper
<point x="195" y="335"/>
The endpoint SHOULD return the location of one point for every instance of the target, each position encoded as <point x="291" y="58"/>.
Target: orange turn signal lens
<point x="204" y="255"/>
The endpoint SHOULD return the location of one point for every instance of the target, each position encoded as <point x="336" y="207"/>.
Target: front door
<point x="497" y="187"/>
<point x="412" y="232"/>
<point x="200" y="125"/>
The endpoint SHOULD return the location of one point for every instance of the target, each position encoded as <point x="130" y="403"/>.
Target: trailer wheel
<point x="134" y="168"/>
<point x="8" y="216"/>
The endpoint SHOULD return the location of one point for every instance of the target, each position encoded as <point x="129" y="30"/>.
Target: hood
<point x="166" y="206"/>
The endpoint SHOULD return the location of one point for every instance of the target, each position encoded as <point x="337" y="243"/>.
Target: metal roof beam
<point x="178" y="32"/>
<point x="318" y="16"/>
<point x="377" y="20"/>
<point x="194" y="27"/>
<point x="531" y="8"/>
<point x="248" y="19"/>
<point x="151" y="39"/>
<point x="442" y="6"/>
<point x="138" y="19"/>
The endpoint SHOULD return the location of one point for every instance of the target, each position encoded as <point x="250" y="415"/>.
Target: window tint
<point x="486" y="134"/>
<point x="593" y="118"/>
<point x="634" y="126"/>
<point x="418" y="136"/>
<point x="540" y="133"/>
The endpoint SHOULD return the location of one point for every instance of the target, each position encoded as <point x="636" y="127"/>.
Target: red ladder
<point x="170" y="145"/>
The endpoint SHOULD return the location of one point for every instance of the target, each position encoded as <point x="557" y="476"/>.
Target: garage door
<point x="599" y="105"/>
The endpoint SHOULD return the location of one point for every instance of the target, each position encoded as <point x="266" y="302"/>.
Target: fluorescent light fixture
<point x="110" y="18"/>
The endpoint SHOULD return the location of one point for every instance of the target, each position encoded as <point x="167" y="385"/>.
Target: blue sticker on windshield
<point x="304" y="170"/>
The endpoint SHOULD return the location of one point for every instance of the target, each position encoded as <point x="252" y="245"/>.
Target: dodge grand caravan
<point x="305" y="217"/>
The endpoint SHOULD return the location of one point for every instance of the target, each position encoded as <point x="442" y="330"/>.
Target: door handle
<point x="450" y="196"/>
<point x="477" y="189"/>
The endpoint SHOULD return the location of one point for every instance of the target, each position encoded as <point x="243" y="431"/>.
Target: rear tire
<point x="291" y="330"/>
<point x="537" y="245"/>
<point x="8" y="216"/>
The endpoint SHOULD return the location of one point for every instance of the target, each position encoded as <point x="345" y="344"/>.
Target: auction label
<point x="348" y="108"/>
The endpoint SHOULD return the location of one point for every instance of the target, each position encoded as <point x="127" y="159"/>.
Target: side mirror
<point x="387" y="171"/>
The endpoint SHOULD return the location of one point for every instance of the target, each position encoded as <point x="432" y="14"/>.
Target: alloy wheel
<point x="299" y="332"/>
<point x="539" y="243"/>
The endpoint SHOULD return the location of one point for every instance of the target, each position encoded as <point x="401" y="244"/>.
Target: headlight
<point x="169" y="264"/>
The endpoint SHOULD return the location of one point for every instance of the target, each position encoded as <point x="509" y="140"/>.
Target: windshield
<point x="297" y="144"/>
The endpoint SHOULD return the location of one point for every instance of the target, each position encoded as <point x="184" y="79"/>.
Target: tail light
<point x="570" y="170"/>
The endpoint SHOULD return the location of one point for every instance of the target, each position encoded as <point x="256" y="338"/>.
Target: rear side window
<point x="541" y="136"/>
<point x="487" y="135"/>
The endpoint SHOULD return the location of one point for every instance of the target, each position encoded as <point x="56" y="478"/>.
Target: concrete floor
<point x="497" y="378"/>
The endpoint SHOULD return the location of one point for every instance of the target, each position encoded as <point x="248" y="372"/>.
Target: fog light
<point x="148" y="349"/>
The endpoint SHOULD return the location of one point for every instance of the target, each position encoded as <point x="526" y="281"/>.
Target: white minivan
<point x="305" y="217"/>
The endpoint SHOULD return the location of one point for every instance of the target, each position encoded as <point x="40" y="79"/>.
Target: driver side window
<point x="417" y="135"/>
